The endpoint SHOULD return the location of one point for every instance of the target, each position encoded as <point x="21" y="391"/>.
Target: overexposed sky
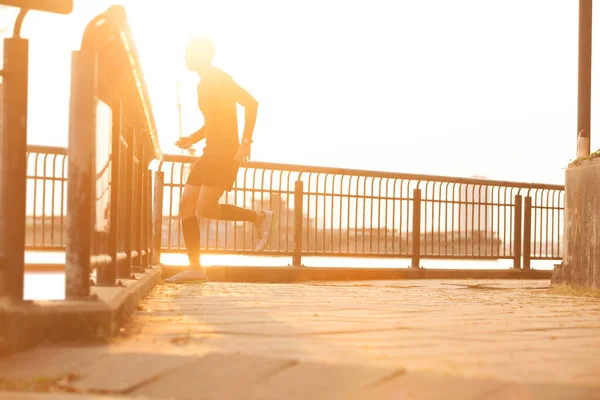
<point x="448" y="87"/>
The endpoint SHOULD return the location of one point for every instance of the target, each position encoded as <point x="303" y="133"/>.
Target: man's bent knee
<point x="208" y="210"/>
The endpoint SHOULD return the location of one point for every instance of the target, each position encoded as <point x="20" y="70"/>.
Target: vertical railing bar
<point x="394" y="218"/>
<point x="517" y="231"/>
<point x="63" y="200"/>
<point x="35" y="197"/>
<point x="416" y="229"/>
<point x="453" y="197"/>
<point x="44" y="168"/>
<point x="53" y="200"/>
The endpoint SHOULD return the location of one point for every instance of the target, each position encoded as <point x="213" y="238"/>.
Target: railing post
<point x="298" y="214"/>
<point x="416" y="229"/>
<point x="517" y="240"/>
<point x="149" y="226"/>
<point x="142" y="226"/>
<point x="81" y="178"/>
<point x="13" y="167"/>
<point x="527" y="233"/>
<point x="127" y="221"/>
<point x="157" y="215"/>
<point x="108" y="274"/>
<point x="138" y="207"/>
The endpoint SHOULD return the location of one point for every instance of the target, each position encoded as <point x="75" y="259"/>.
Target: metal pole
<point x="517" y="223"/>
<point x="108" y="274"/>
<point x="127" y="220"/>
<point x="298" y="213"/>
<point x="157" y="212"/>
<point x="13" y="165"/>
<point x="416" y="229"/>
<point x="81" y="178"/>
<point x="584" y="91"/>
<point x="527" y="233"/>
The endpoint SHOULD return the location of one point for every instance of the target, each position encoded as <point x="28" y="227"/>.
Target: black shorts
<point x="214" y="171"/>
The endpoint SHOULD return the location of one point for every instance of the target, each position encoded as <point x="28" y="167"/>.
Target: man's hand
<point x="185" y="142"/>
<point x="243" y="153"/>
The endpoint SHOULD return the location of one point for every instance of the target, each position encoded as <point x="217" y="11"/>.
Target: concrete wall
<point x="581" y="257"/>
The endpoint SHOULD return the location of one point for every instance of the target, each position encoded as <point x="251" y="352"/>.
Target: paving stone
<point x="122" y="372"/>
<point x="429" y="386"/>
<point x="64" y="396"/>
<point x="215" y="376"/>
<point x="545" y="391"/>
<point x="48" y="362"/>
<point x="309" y="380"/>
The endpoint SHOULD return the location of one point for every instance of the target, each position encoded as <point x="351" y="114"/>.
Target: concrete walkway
<point x="359" y="340"/>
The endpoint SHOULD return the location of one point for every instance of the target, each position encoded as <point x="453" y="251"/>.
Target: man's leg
<point x="191" y="237"/>
<point x="209" y="207"/>
<point x="189" y="223"/>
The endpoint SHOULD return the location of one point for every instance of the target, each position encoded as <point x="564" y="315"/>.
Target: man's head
<point x="199" y="53"/>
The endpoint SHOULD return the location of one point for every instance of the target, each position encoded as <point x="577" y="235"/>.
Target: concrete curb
<point x="27" y="324"/>
<point x="304" y="274"/>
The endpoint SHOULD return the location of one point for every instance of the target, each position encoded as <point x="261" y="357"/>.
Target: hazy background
<point x="449" y="87"/>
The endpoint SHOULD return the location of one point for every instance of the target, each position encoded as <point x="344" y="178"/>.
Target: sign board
<point x="53" y="6"/>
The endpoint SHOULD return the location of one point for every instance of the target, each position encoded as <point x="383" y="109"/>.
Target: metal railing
<point x="46" y="198"/>
<point x="112" y="140"/>
<point x="357" y="213"/>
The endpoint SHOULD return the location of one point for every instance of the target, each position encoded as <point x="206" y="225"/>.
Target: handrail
<point x="105" y="29"/>
<point x="375" y="174"/>
<point x="108" y="185"/>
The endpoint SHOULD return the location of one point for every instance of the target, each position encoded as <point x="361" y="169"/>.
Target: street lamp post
<point x="584" y="91"/>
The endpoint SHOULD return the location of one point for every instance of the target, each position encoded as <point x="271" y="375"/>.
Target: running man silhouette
<point x="215" y="172"/>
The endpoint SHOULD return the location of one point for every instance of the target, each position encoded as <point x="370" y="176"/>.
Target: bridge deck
<point x="422" y="339"/>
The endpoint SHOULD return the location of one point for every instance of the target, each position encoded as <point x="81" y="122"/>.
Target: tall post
<point x="298" y="213"/>
<point x="81" y="180"/>
<point x="527" y="233"/>
<point x="584" y="91"/>
<point x="416" y="229"/>
<point x="157" y="215"/>
<point x="13" y="167"/>
<point x="517" y="238"/>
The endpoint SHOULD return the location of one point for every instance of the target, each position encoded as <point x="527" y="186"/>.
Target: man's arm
<point x="199" y="135"/>
<point x="250" y="105"/>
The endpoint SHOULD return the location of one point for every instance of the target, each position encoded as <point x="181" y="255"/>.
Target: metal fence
<point x="357" y="213"/>
<point x="339" y="212"/>
<point x="46" y="198"/>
